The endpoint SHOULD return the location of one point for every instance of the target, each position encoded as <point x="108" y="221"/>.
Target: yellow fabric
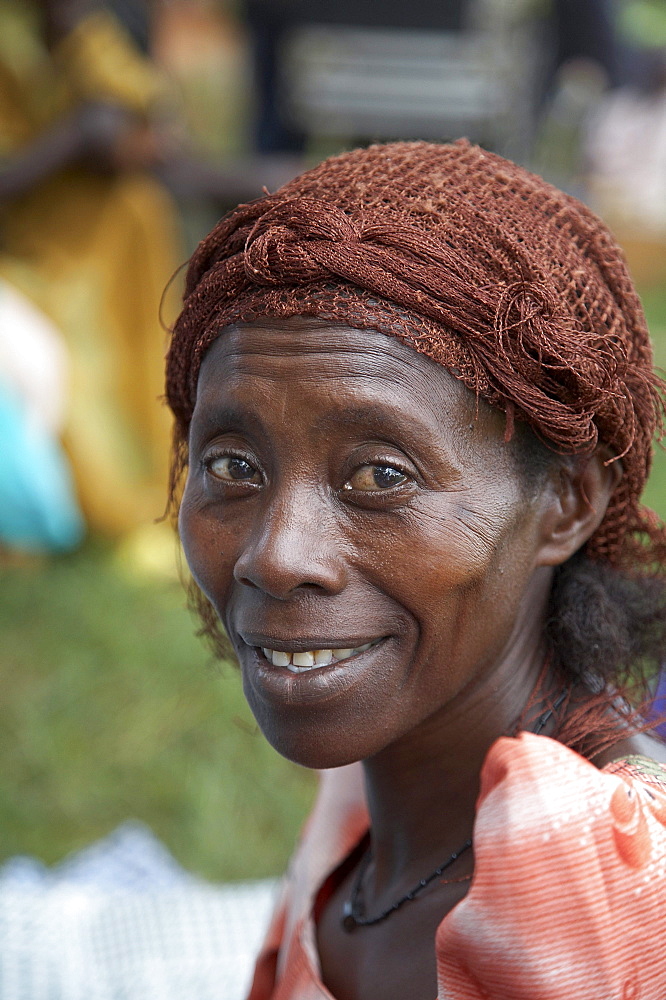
<point x="94" y="251"/>
<point x="27" y="80"/>
<point x="99" y="62"/>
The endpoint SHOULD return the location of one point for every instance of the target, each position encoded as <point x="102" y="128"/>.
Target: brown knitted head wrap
<point x="518" y="289"/>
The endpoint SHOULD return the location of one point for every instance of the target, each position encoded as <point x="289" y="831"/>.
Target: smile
<point x="309" y="659"/>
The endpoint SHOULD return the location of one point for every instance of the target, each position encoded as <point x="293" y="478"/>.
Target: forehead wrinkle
<point x="375" y="403"/>
<point x="271" y="363"/>
<point x="340" y="364"/>
<point x="371" y="411"/>
<point x="278" y="340"/>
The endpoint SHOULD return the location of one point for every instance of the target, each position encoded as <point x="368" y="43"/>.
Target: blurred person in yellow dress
<point x="89" y="235"/>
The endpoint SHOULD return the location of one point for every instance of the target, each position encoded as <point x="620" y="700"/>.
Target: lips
<point x="279" y="695"/>
<point x="301" y="661"/>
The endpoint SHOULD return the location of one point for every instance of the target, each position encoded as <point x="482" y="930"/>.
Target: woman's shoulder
<point x="569" y="888"/>
<point x="558" y="796"/>
<point x="544" y="763"/>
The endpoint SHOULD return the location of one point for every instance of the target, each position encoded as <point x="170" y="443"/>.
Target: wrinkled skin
<point x="342" y="490"/>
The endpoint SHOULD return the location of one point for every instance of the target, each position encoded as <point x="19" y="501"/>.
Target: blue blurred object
<point x="659" y="704"/>
<point x="38" y="507"/>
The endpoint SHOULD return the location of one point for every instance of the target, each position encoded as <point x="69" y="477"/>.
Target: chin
<point x="311" y="749"/>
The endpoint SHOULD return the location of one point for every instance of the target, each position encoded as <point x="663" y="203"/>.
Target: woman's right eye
<point x="233" y="469"/>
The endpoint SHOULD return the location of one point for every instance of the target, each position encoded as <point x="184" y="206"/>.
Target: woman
<point x="89" y="237"/>
<point x="413" y="393"/>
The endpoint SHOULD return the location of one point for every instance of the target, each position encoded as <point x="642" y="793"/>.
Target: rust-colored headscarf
<point x="517" y="289"/>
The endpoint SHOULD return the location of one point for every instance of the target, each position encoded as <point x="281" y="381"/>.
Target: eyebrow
<point x="360" y="413"/>
<point x="216" y="418"/>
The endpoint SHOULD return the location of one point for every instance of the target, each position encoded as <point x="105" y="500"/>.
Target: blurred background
<point x="127" y="127"/>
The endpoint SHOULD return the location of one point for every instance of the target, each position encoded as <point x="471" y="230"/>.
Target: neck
<point x="422" y="791"/>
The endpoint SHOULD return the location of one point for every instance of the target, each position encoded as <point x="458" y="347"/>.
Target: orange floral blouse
<point x="546" y="819"/>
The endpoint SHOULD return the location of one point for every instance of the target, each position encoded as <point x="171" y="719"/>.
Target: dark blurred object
<point x="585" y="29"/>
<point x="203" y="48"/>
<point x="626" y="143"/>
<point x="359" y="71"/>
<point x="135" y="18"/>
<point x="446" y="16"/>
<point x="273" y="23"/>
<point x="642" y="29"/>
<point x="236" y="179"/>
<point x="583" y="60"/>
<point x="133" y="15"/>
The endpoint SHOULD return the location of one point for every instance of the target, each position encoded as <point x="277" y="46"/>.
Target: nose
<point x="294" y="547"/>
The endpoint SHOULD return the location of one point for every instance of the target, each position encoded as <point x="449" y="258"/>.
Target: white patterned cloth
<point x="122" y="921"/>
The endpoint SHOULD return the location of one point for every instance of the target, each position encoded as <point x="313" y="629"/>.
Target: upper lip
<point x="301" y="645"/>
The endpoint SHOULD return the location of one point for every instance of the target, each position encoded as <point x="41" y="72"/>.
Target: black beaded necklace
<point x="353" y="911"/>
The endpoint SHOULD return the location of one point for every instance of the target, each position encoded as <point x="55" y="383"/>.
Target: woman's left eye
<point x="376" y="477"/>
<point x="233" y="469"/>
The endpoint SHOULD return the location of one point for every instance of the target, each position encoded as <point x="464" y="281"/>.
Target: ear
<point x="576" y="499"/>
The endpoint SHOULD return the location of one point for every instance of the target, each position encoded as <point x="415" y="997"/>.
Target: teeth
<point x="303" y="659"/>
<point x="306" y="660"/>
<point x="342" y="654"/>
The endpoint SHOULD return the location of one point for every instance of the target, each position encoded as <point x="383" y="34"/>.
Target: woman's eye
<point x="376" y="477"/>
<point x="232" y="469"/>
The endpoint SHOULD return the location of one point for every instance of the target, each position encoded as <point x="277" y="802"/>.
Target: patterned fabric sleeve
<point x="569" y="891"/>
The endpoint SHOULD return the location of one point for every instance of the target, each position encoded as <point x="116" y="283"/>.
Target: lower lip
<point x="319" y="683"/>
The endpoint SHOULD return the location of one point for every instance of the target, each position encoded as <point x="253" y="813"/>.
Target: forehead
<point x="318" y="356"/>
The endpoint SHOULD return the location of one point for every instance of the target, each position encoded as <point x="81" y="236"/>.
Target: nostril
<point x="283" y="585"/>
<point x="282" y="577"/>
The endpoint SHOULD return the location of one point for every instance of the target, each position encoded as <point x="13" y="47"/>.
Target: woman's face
<point x="362" y="532"/>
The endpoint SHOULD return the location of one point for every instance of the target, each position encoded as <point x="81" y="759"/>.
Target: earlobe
<point x="578" y="495"/>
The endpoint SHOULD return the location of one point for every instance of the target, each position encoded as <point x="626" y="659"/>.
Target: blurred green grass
<point x="654" y="301"/>
<point x="111" y="708"/>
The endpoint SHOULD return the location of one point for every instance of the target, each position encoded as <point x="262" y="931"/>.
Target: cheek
<point x="454" y="568"/>
<point x="207" y="552"/>
<point x="436" y="550"/>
